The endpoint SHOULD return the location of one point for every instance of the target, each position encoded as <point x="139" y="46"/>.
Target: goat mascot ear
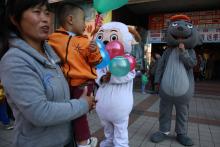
<point x="135" y="34"/>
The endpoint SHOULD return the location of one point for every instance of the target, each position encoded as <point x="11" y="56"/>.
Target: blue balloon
<point x="105" y="56"/>
<point x="100" y="44"/>
<point x="119" y="66"/>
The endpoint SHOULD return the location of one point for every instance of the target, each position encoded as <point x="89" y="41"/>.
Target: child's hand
<point x="106" y="78"/>
<point x="92" y="46"/>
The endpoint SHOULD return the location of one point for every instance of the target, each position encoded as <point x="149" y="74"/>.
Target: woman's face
<point x="35" y="24"/>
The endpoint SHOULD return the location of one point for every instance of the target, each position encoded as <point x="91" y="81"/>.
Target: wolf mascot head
<point x="181" y="30"/>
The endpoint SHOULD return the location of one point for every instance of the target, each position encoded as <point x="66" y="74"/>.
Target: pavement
<point x="203" y="124"/>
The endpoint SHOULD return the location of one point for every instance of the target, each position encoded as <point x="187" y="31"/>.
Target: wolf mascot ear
<point x="181" y="29"/>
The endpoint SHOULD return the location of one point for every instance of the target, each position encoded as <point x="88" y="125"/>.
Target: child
<point x="3" y="110"/>
<point x="144" y="81"/>
<point x="79" y="56"/>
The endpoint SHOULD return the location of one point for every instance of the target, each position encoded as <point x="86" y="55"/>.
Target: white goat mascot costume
<point x="115" y="97"/>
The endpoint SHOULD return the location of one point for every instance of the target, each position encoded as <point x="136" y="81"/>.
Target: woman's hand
<point x="90" y="99"/>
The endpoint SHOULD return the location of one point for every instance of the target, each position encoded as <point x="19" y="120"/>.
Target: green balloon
<point x="119" y="66"/>
<point x="103" y="6"/>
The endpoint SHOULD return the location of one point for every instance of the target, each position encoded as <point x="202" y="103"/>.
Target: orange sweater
<point x="78" y="61"/>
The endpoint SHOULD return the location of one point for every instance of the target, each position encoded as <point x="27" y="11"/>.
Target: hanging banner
<point x="156" y="36"/>
<point x="209" y="35"/>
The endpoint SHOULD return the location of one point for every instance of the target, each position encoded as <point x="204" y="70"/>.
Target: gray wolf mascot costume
<point x="174" y="74"/>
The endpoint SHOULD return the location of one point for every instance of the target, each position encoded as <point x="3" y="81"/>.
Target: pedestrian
<point x="79" y="56"/>
<point x="196" y="69"/>
<point x="153" y="67"/>
<point x="210" y="67"/>
<point x="202" y="67"/>
<point x="4" y="118"/>
<point x="34" y="84"/>
<point x="144" y="81"/>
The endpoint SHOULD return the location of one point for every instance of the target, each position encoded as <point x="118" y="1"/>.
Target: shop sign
<point x="201" y="19"/>
<point x="209" y="35"/>
<point x="156" y="36"/>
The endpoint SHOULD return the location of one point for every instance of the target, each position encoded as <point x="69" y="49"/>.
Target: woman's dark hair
<point x="13" y="8"/>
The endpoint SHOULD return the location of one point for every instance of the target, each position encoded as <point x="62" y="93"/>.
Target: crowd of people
<point x="204" y="69"/>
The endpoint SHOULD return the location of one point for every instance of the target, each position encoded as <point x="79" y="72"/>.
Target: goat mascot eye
<point x="100" y="36"/>
<point x="113" y="37"/>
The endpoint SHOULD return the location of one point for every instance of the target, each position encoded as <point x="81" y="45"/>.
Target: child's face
<point x="78" y="26"/>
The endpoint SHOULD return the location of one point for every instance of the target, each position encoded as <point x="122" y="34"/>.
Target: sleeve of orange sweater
<point x="94" y="58"/>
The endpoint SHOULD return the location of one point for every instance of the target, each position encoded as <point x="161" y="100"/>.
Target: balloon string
<point x="98" y="23"/>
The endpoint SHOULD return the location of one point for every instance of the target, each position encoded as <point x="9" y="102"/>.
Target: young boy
<point x="4" y="118"/>
<point x="79" y="56"/>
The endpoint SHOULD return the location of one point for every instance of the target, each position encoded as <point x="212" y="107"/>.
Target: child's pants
<point x="143" y="87"/>
<point x="116" y="133"/>
<point x="80" y="125"/>
<point x="3" y="113"/>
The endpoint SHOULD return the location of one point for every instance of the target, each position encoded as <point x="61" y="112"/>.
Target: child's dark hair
<point x="15" y="9"/>
<point x="65" y="9"/>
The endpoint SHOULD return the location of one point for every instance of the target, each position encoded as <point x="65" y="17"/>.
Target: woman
<point x="34" y="84"/>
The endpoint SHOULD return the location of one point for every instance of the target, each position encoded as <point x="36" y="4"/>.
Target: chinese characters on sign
<point x="208" y="35"/>
<point x="208" y="23"/>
